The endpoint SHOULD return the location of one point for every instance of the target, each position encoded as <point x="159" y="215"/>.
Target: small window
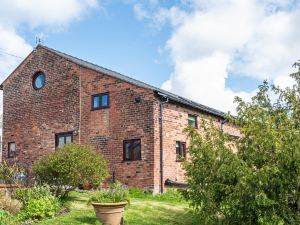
<point x="132" y="150"/>
<point x="192" y="120"/>
<point x="100" y="101"/>
<point x="63" y="138"/>
<point x="180" y="151"/>
<point x="11" y="149"/>
<point x="39" y="80"/>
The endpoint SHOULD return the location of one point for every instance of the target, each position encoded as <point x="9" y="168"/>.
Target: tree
<point x="71" y="166"/>
<point x="260" y="184"/>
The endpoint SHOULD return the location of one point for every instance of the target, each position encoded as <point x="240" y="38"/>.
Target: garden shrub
<point x="36" y="192"/>
<point x="8" y="204"/>
<point x="45" y="207"/>
<point x="71" y="166"/>
<point x="6" y="218"/>
<point x="3" y="214"/>
<point x="259" y="184"/>
<point x="39" y="202"/>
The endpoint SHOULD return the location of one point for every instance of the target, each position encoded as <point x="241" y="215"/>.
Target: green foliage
<point x="3" y="214"/>
<point x="116" y="193"/>
<point x="139" y="193"/>
<point x="140" y="212"/>
<point x="36" y="192"/>
<point x="7" y="218"/>
<point x="260" y="184"/>
<point x="71" y="166"/>
<point x="40" y="208"/>
<point x="39" y="202"/>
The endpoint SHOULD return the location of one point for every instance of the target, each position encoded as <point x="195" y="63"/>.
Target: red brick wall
<point x="175" y="119"/>
<point x="125" y="119"/>
<point x="32" y="117"/>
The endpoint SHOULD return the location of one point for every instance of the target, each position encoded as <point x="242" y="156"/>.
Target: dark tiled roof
<point x="169" y="95"/>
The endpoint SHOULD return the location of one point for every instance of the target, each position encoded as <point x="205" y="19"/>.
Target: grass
<point x="143" y="209"/>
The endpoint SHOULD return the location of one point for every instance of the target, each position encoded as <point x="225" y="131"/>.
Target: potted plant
<point x="109" y="204"/>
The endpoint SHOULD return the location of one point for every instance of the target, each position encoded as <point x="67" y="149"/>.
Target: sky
<point x="207" y="50"/>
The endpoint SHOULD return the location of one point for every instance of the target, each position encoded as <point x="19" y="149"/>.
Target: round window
<point x="39" y="80"/>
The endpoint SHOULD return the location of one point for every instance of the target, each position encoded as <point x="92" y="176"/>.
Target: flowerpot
<point x="109" y="213"/>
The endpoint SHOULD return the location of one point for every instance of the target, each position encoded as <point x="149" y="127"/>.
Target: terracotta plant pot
<point x="109" y="213"/>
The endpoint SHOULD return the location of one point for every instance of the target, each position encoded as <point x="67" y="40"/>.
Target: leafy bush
<point x="71" y="166"/>
<point x="37" y="192"/>
<point x="40" y="208"/>
<point x="3" y="214"/>
<point x="7" y="218"/>
<point x="8" y="204"/>
<point x="260" y="183"/>
<point x="116" y="193"/>
<point x="39" y="202"/>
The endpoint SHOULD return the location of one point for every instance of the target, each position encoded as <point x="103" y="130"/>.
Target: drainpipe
<point x="163" y="100"/>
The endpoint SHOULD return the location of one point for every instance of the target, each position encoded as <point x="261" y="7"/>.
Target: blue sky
<point x="209" y="51"/>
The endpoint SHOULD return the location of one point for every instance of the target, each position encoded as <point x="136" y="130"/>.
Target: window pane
<point x="136" y="149"/>
<point x="192" y="120"/>
<point x="96" y="102"/>
<point x="183" y="154"/>
<point x="68" y="139"/>
<point x="61" y="141"/>
<point x="39" y="80"/>
<point x="127" y="150"/>
<point x="104" y="100"/>
<point x="12" y="147"/>
<point x="177" y="148"/>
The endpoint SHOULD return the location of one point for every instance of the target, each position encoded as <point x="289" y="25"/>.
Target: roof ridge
<point x="109" y="72"/>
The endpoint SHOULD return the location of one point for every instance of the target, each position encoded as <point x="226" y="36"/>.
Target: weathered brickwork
<point x="126" y="118"/>
<point x="33" y="117"/>
<point x="175" y="119"/>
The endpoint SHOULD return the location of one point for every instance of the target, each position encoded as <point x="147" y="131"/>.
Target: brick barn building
<point x="53" y="98"/>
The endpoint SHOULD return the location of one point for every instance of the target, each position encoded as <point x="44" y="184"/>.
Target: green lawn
<point x="142" y="210"/>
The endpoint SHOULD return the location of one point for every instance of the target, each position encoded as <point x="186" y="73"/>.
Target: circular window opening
<point x="39" y="80"/>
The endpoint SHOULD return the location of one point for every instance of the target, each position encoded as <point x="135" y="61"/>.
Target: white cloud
<point x="46" y="14"/>
<point x="11" y="45"/>
<point x="215" y="38"/>
<point x="40" y="13"/>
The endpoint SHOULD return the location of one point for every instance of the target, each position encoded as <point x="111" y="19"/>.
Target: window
<point x="100" y="101"/>
<point x="39" y="80"/>
<point x="132" y="150"/>
<point x="180" y="151"/>
<point x="11" y="149"/>
<point x="63" y="138"/>
<point x="192" y="120"/>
